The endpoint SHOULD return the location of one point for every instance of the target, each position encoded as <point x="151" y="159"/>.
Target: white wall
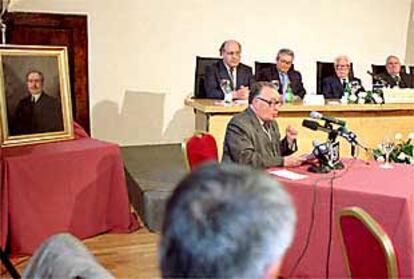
<point x="142" y="52"/>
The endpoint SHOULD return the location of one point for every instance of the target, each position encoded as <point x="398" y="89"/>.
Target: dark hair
<point x="42" y="77"/>
<point x="223" y="45"/>
<point x="225" y="221"/>
<point x="257" y="88"/>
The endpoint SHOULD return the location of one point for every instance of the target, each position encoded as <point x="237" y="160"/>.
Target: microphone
<point x="320" y="149"/>
<point x="315" y="126"/>
<point x="377" y="78"/>
<point x="351" y="137"/>
<point x="317" y="115"/>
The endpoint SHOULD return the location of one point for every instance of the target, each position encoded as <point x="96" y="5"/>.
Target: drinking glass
<point x="387" y="146"/>
<point x="226" y="88"/>
<point x="276" y="83"/>
<point x="355" y="86"/>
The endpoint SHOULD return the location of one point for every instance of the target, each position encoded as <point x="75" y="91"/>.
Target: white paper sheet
<point x="288" y="174"/>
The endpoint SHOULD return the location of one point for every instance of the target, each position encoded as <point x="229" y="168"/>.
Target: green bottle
<point x="347" y="90"/>
<point x="289" y="95"/>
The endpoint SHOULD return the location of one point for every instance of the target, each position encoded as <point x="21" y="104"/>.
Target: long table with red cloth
<point x="73" y="186"/>
<point x="386" y="194"/>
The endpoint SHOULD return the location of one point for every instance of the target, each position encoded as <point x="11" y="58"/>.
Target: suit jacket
<point x="295" y="78"/>
<point x="218" y="71"/>
<point x="332" y="87"/>
<point x="64" y="256"/>
<point x="247" y="143"/>
<point x="43" y="116"/>
<point x="407" y="81"/>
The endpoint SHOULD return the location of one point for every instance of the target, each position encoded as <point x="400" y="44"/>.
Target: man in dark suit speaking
<point x="253" y="137"/>
<point x="229" y="68"/>
<point x="284" y="74"/>
<point x="394" y="77"/>
<point x="38" y="112"/>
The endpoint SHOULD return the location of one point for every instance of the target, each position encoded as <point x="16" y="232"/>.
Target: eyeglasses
<point x="287" y="62"/>
<point x="270" y="102"/>
<point x="237" y="53"/>
<point x="342" y="66"/>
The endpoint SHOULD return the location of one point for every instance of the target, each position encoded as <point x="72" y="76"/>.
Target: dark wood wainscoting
<point x="61" y="30"/>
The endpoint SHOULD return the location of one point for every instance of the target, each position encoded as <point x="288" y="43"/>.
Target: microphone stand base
<point x="325" y="168"/>
<point x="319" y="169"/>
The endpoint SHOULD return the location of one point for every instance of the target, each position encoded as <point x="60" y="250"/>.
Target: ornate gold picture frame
<point x="35" y="93"/>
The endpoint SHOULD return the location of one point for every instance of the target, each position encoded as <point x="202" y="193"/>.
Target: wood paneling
<point x="62" y="30"/>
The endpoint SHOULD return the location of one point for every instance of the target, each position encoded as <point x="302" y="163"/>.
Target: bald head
<point x="230" y="50"/>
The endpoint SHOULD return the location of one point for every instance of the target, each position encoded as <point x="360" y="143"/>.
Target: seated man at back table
<point x="394" y="77"/>
<point x="229" y="68"/>
<point x="253" y="137"/>
<point x="284" y="74"/>
<point x="333" y="86"/>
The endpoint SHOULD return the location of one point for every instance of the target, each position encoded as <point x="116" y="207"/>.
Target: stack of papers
<point x="288" y="174"/>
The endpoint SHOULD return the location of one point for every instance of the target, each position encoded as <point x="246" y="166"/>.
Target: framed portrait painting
<point x="35" y="95"/>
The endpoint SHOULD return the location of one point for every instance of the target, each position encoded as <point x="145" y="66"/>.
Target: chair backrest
<point x="201" y="64"/>
<point x="368" y="250"/>
<point x="380" y="69"/>
<point x="199" y="148"/>
<point x="326" y="69"/>
<point x="260" y="66"/>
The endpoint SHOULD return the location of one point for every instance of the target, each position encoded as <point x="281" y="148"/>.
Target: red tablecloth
<point x="386" y="194"/>
<point x="72" y="186"/>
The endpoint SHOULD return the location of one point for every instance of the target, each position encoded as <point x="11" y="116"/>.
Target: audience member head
<point x="231" y="52"/>
<point x="284" y="60"/>
<point x="226" y="221"/>
<point x="265" y="100"/>
<point x="34" y="81"/>
<point x="342" y="65"/>
<point x="393" y="65"/>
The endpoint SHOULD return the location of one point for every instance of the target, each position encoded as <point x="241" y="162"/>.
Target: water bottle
<point x="289" y="95"/>
<point x="347" y="91"/>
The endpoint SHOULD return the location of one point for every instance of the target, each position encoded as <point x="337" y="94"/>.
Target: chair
<point x="199" y="148"/>
<point x="260" y="66"/>
<point x="368" y="250"/>
<point x="326" y="69"/>
<point x="412" y="70"/>
<point x="380" y="69"/>
<point x="201" y="64"/>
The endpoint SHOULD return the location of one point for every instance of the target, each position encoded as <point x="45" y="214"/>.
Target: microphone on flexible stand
<point x="378" y="78"/>
<point x="318" y="115"/>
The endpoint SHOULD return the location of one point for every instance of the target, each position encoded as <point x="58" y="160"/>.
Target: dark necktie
<point x="344" y="84"/>
<point x="266" y="127"/>
<point x="33" y="100"/>
<point x="232" y="83"/>
<point x="397" y="80"/>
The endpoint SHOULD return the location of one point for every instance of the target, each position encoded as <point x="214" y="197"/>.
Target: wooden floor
<point x="131" y="255"/>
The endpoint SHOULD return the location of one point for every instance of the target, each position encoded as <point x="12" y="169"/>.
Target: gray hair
<point x="391" y="57"/>
<point x="257" y="89"/>
<point x="285" y="51"/>
<point x="342" y="57"/>
<point x="225" y="221"/>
